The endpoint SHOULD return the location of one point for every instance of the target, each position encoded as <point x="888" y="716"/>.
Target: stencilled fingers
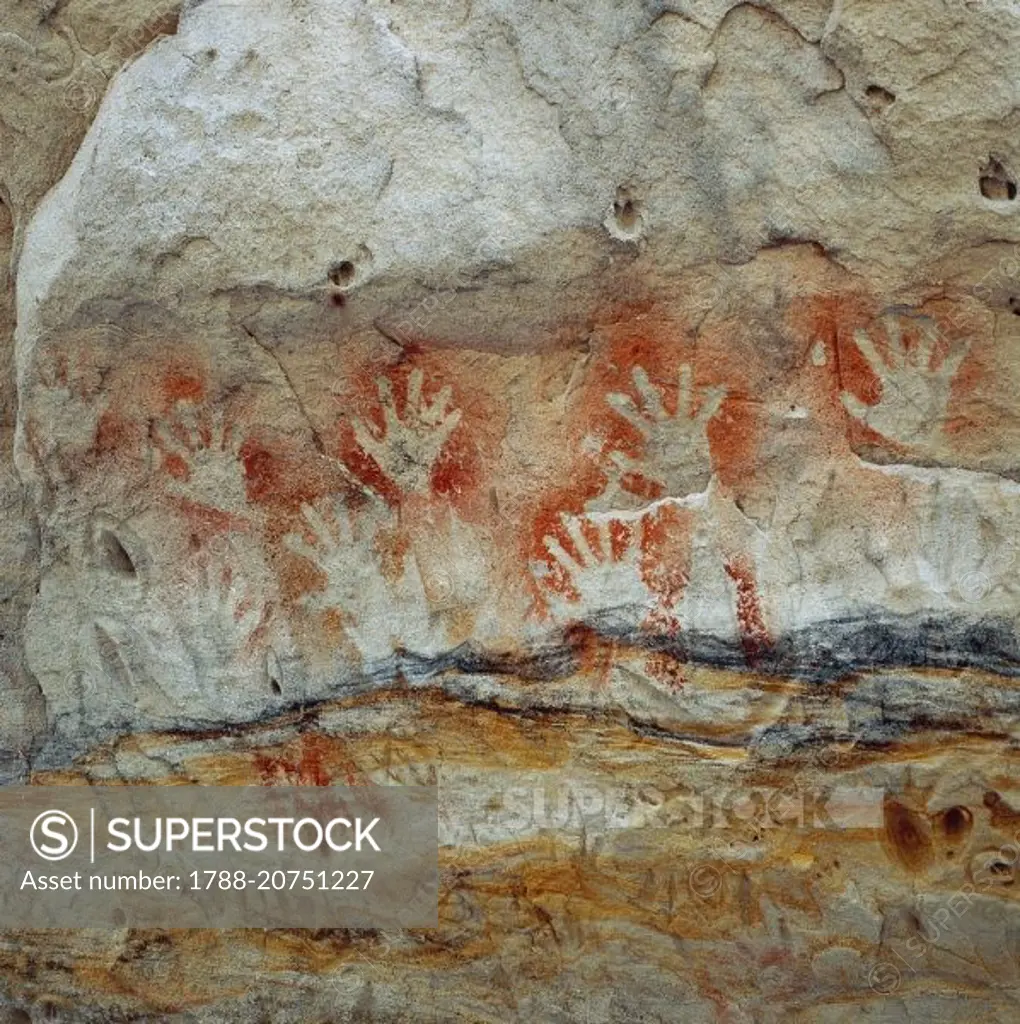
<point x="209" y="449"/>
<point x="407" y="447"/>
<point x="676" y="455"/>
<point x="914" y="385"/>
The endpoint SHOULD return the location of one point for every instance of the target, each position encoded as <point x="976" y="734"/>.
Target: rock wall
<point x="606" y="407"/>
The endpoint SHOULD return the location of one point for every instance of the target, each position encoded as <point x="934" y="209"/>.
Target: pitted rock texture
<point x="55" y="62"/>
<point x="546" y="395"/>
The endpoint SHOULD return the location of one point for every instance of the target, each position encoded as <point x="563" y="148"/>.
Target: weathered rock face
<point x="619" y="399"/>
<point x="55" y="60"/>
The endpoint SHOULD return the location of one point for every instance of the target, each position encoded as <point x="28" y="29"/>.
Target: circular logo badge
<point x="704" y="881"/>
<point x="884" y="978"/>
<point x="54" y="835"/>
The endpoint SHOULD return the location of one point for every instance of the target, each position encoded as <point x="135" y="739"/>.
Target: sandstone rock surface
<point x="589" y="409"/>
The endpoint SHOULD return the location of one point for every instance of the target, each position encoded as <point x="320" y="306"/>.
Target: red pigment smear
<point x="733" y="436"/>
<point x="457" y="474"/>
<point x="180" y="386"/>
<point x="636" y="337"/>
<point x="640" y="338"/>
<point x="594" y="654"/>
<point x="586" y="482"/>
<point x="666" y="553"/>
<point x="734" y="362"/>
<point x="262" y="474"/>
<point x="283" y="479"/>
<point x="308" y="770"/>
<point x="835" y="319"/>
<point x="630" y="338"/>
<point x="113" y="433"/>
<point x="832" y="320"/>
<point x="754" y="637"/>
<point x="175" y="466"/>
<point x="120" y="429"/>
<point x="829" y="317"/>
<point x="61" y="369"/>
<point x="666" y="565"/>
<point x="670" y="672"/>
<point x="975" y="376"/>
<point x="209" y="523"/>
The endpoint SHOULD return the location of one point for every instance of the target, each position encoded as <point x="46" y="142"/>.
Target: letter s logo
<point x="53" y="825"/>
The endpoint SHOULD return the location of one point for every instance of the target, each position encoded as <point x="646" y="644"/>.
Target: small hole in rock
<point x="879" y="98"/>
<point x="626" y="214"/>
<point x="211" y="54"/>
<point x="996" y="182"/>
<point x="338" y="300"/>
<point x="273" y="672"/>
<point x="342" y="273"/>
<point x="956" y="821"/>
<point x="115" y="554"/>
<point x="1014" y="304"/>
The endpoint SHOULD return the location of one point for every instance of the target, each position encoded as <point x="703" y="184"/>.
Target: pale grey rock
<point x="281" y="205"/>
<point x="438" y="142"/>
